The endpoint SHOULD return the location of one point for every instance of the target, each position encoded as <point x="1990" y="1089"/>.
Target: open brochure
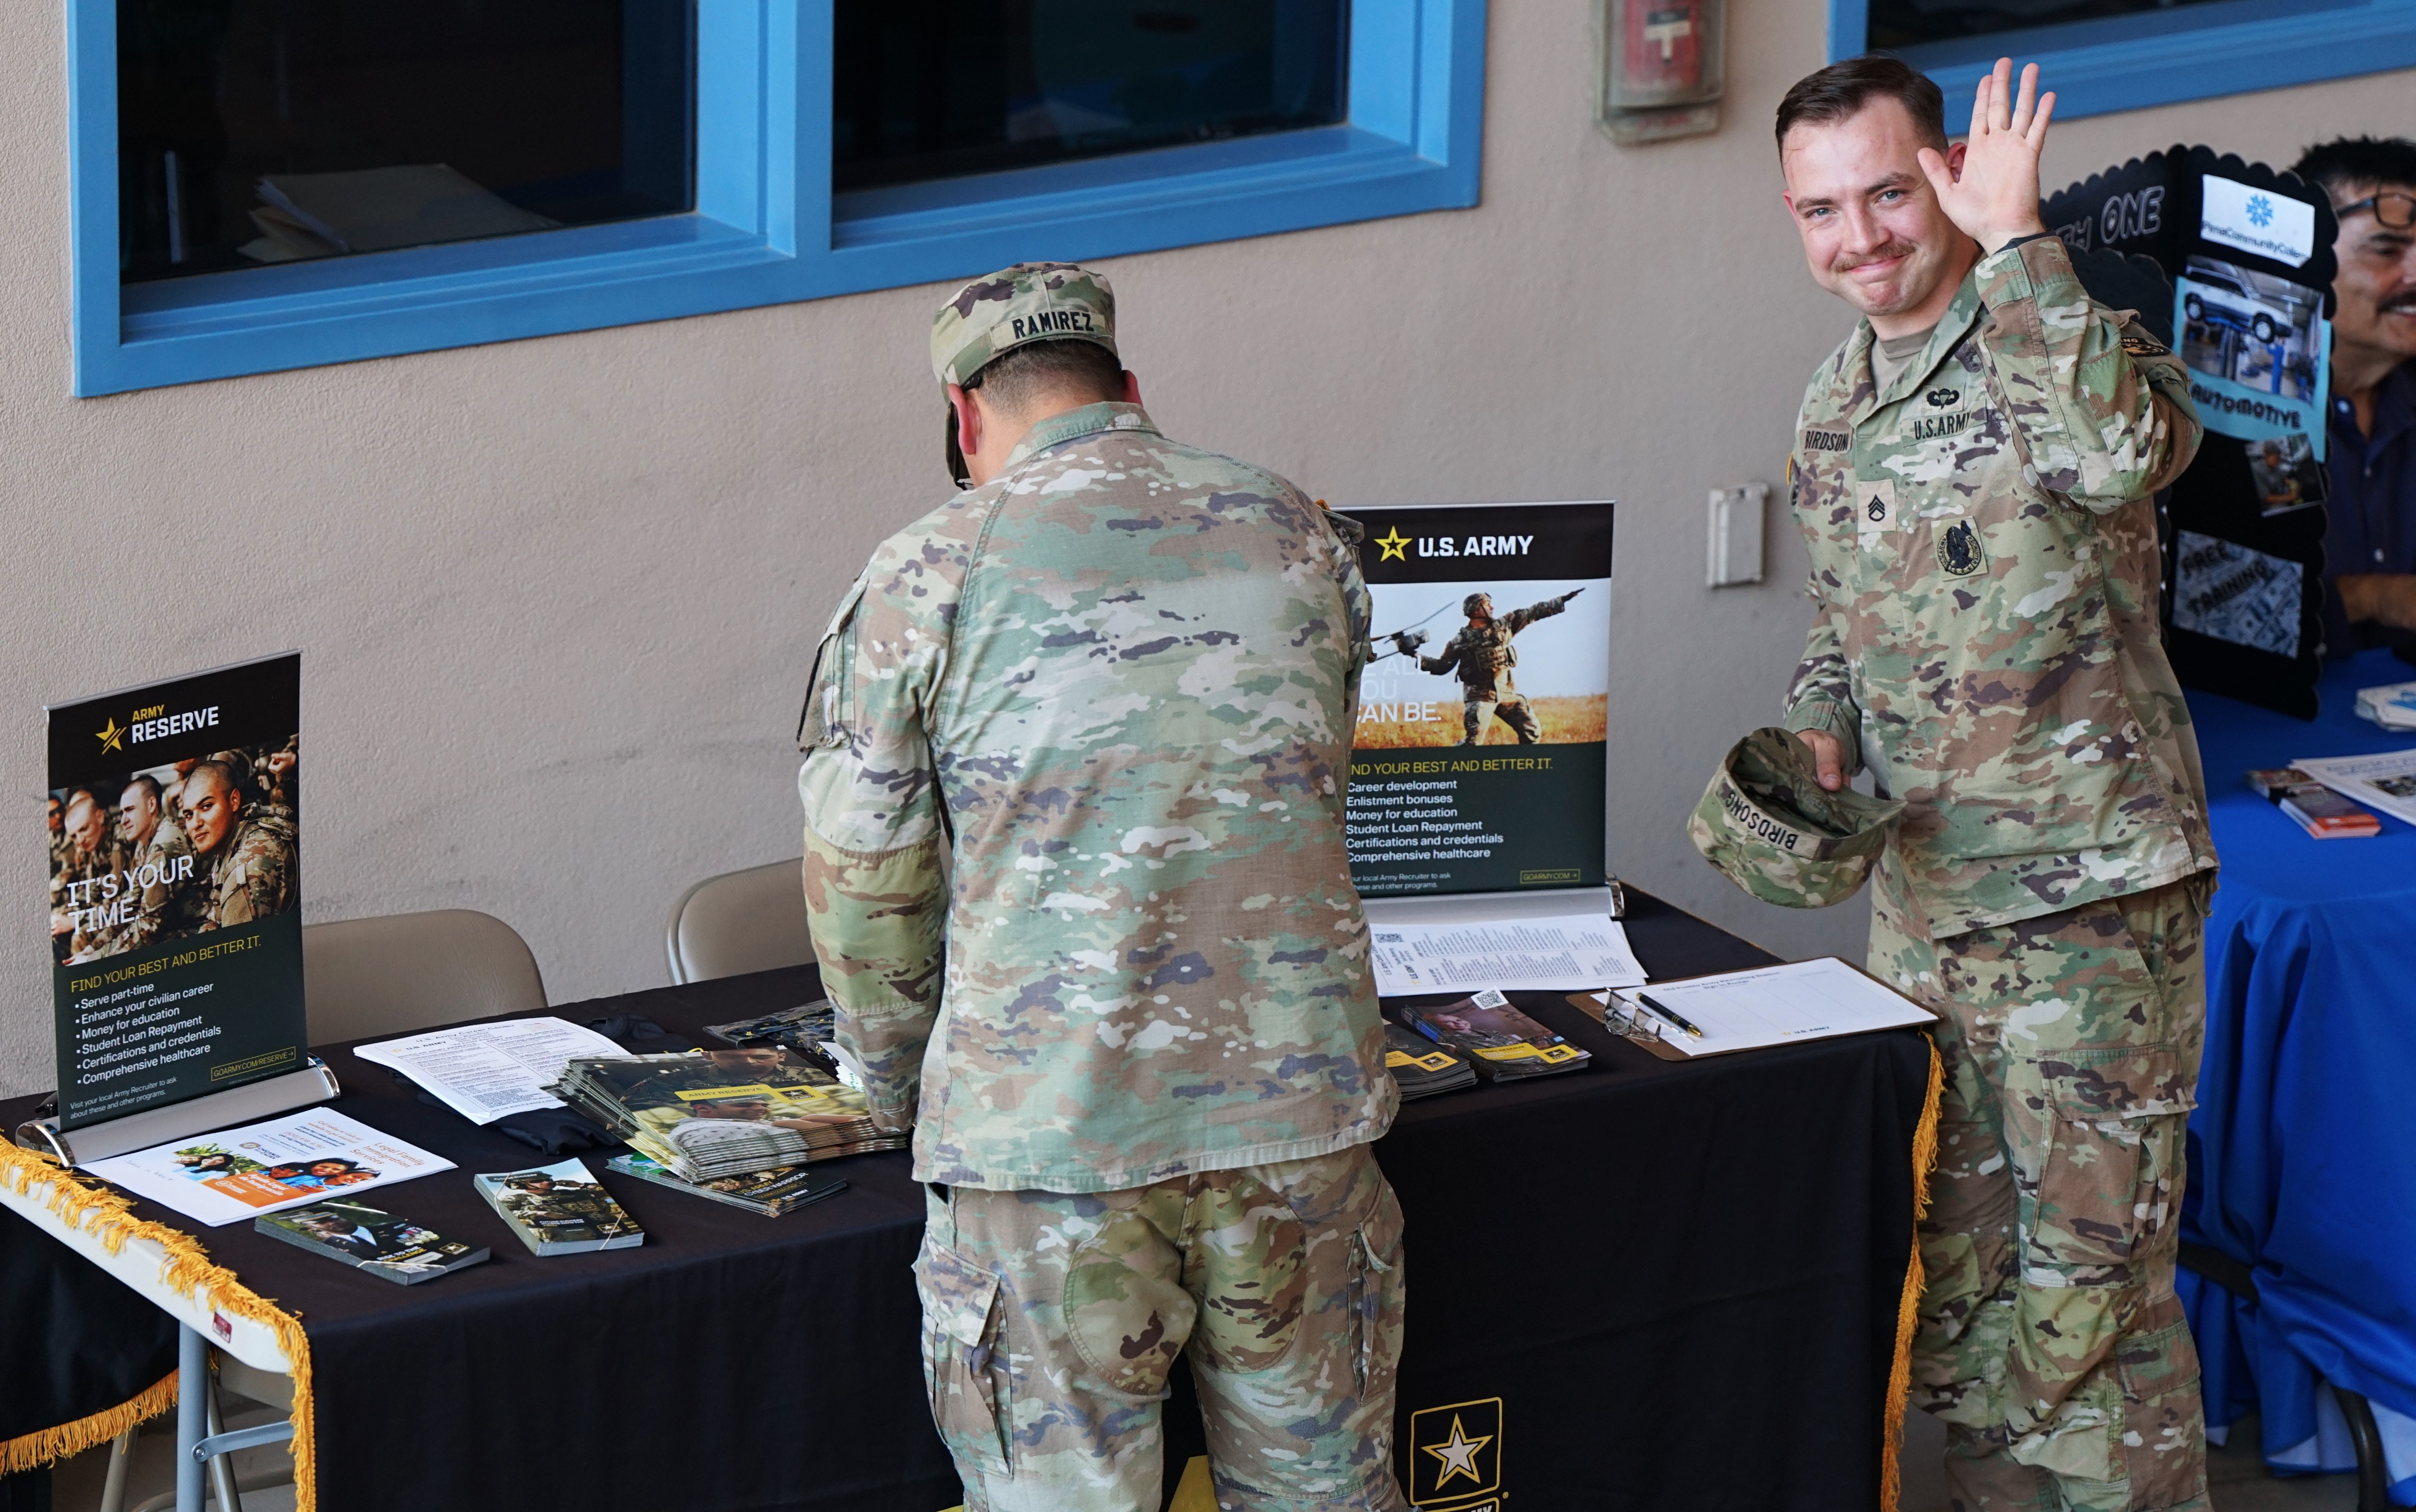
<point x="263" y="1168"/>
<point x="1541" y="954"/>
<point x="1768" y="1005"/>
<point x="2386" y="781"/>
<point x="486" y="1071"/>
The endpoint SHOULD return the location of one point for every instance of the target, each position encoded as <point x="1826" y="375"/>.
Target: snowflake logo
<point x="2260" y="211"/>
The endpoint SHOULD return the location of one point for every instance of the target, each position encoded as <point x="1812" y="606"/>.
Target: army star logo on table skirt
<point x="1958" y="550"/>
<point x="1456" y="1453"/>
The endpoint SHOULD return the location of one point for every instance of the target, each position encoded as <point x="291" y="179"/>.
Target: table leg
<point x="222" y="1465"/>
<point x="192" y="1414"/>
<point x="121" y="1456"/>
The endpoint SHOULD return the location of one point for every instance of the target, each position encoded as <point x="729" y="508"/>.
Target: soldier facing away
<point x="1109" y="689"/>
<point x="1973" y="476"/>
<point x="1483" y="654"/>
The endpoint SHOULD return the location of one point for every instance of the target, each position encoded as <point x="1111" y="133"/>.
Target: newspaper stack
<point x="709" y="1115"/>
<point x="2391" y="706"/>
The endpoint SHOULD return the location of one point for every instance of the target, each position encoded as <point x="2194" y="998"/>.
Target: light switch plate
<point x="1735" y="553"/>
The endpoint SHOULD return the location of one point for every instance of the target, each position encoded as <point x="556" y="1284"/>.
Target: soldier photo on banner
<point x="166" y="852"/>
<point x="1478" y="758"/>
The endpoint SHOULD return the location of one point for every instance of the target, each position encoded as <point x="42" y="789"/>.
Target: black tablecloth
<point x="1680" y="1281"/>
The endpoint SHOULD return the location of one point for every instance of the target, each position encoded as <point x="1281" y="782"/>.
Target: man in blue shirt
<point x="2370" y="540"/>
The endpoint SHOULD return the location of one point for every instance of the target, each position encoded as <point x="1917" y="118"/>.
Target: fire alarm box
<point x="1658" y="66"/>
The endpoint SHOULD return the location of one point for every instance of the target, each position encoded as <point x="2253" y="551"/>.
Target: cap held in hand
<point x="1768" y="824"/>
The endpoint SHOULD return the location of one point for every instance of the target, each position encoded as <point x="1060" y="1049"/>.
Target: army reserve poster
<point x="176" y="893"/>
<point x="1477" y="764"/>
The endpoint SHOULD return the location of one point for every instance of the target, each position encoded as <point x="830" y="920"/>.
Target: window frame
<point x="767" y="229"/>
<point x="2163" y="58"/>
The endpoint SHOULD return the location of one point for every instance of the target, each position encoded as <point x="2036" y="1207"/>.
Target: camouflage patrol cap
<point x="1028" y="302"/>
<point x="1768" y="823"/>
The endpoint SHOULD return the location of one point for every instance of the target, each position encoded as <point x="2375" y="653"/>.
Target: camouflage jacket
<point x="1984" y="574"/>
<point x="1081" y="733"/>
<point x="256" y="875"/>
<point x="1483" y="655"/>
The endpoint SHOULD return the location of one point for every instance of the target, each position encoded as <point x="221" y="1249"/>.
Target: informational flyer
<point x="1544" y="954"/>
<point x="175" y="888"/>
<point x="263" y="1168"/>
<point x="2386" y="781"/>
<point x="486" y="1071"/>
<point x="1478" y="761"/>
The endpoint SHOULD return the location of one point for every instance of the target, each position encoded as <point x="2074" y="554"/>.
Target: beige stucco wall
<point x="556" y="596"/>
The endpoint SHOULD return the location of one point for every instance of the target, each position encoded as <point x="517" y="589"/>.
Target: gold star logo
<point x="1458" y="1453"/>
<point x="1395" y="544"/>
<point x="110" y="734"/>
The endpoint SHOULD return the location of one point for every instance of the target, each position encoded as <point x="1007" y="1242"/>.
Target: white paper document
<point x="2387" y="782"/>
<point x="1771" y="1005"/>
<point x="1560" y="952"/>
<point x="262" y="1167"/>
<point x="486" y="1071"/>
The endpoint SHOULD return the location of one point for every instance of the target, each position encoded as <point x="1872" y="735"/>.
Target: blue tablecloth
<point x="2302" y="1149"/>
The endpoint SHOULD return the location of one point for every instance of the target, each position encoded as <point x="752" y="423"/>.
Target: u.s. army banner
<point x="1478" y="764"/>
<point x="176" y="898"/>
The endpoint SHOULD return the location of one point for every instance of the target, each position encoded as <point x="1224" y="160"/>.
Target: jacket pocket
<point x="2110" y="1187"/>
<point x="963" y="1365"/>
<point x="1379" y="1293"/>
<point x="829" y="683"/>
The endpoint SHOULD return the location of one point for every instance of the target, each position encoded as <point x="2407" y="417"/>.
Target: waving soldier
<point x="1974" y="476"/>
<point x="1483" y="655"/>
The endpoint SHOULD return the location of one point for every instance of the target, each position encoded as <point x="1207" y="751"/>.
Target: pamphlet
<point x="390" y="1248"/>
<point x="2392" y="705"/>
<point x="781" y="1189"/>
<point x="725" y="1112"/>
<point x="1553" y="953"/>
<point x="1502" y="1043"/>
<point x="486" y="1071"/>
<point x="1767" y="1006"/>
<point x="262" y="1167"/>
<point x="560" y="1209"/>
<point x="1478" y="761"/>
<point x="2328" y="816"/>
<point x="1421" y="1068"/>
<point x="2386" y="781"/>
<point x="175" y="892"/>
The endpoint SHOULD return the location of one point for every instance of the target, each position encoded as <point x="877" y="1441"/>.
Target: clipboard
<point x="1660" y="1048"/>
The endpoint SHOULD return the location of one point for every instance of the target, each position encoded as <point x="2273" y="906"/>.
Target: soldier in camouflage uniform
<point x="1976" y="498"/>
<point x="1074" y="859"/>
<point x="247" y="849"/>
<point x="161" y="861"/>
<point x="86" y="880"/>
<point x="1483" y="655"/>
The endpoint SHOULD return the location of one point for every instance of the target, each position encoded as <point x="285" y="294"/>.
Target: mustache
<point x="2398" y="304"/>
<point x="1894" y="248"/>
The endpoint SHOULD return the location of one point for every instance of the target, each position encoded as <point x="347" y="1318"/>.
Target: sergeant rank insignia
<point x="1958" y="550"/>
<point x="1456" y="1457"/>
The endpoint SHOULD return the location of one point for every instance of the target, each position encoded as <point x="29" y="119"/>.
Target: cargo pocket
<point x="2164" y="1424"/>
<point x="963" y="1362"/>
<point x="822" y="721"/>
<point x="1377" y="1293"/>
<point x="2108" y="1188"/>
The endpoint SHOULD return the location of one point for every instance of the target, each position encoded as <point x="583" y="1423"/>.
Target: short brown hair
<point x="1843" y="88"/>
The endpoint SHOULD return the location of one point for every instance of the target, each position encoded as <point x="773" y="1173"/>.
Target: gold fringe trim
<point x="1907" y="1307"/>
<point x="107" y="1216"/>
<point x="35" y="1450"/>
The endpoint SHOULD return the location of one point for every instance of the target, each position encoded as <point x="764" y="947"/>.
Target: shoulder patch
<point x="2141" y="344"/>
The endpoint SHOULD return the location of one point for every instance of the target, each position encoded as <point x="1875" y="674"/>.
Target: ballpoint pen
<point x="1650" y="1001"/>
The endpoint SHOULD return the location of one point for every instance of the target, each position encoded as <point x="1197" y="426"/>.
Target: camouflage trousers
<point x="2050" y="1341"/>
<point x="1477" y="716"/>
<point x="1051" y="1322"/>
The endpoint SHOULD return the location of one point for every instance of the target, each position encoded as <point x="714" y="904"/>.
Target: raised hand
<point x="1995" y="196"/>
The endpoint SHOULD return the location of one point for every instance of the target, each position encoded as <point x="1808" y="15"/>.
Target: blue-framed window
<point x="2103" y="55"/>
<point x="767" y="226"/>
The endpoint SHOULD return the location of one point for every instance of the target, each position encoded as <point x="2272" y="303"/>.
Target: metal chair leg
<point x="2373" y="1476"/>
<point x="221" y="1466"/>
<point x="121" y="1459"/>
